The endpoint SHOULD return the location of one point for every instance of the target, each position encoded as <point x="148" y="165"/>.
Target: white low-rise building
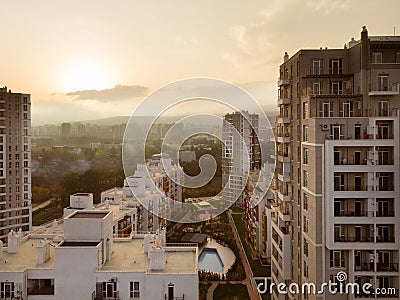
<point x="87" y="262"/>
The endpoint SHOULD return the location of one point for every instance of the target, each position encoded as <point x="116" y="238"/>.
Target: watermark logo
<point x="201" y="96"/>
<point x="338" y="286"/>
<point x="341" y="276"/>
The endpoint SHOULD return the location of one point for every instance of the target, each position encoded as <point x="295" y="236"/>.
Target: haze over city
<point x="97" y="59"/>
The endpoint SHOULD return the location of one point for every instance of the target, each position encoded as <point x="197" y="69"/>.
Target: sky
<point x="84" y="60"/>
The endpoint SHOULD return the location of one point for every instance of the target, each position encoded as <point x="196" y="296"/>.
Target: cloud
<point x="119" y="92"/>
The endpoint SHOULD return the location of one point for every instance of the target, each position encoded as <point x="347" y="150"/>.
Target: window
<point x="110" y="289"/>
<point x="305" y="224"/>
<point x="316" y="67"/>
<point x="336" y="87"/>
<point x="305" y="110"/>
<point x="335" y="67"/>
<point x="134" y="289"/>
<point x="336" y="259"/>
<point x="383" y="82"/>
<point x="7" y="290"/>
<point x="305" y="247"/>
<point x="305" y="201"/>
<point x="305" y="178"/>
<point x="383" y="108"/>
<point x="305" y="270"/>
<point x="305" y="133"/>
<point x="397" y="57"/>
<point x="376" y="57"/>
<point x="316" y="88"/>
<point x="325" y="110"/>
<point x="171" y="290"/>
<point x="305" y="156"/>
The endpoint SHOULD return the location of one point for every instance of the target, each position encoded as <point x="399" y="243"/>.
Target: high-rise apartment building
<point x="15" y="162"/>
<point x="337" y="205"/>
<point x="239" y="154"/>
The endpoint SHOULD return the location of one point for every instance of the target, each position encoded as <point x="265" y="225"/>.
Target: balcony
<point x="283" y="120"/>
<point x="385" y="239"/>
<point x="365" y="266"/>
<point x="283" y="196"/>
<point x="387" y="267"/>
<point x="351" y="188"/>
<point x="385" y="89"/>
<point x="284" y="101"/>
<point x="283" y="81"/>
<point x="284" y="139"/>
<point x="387" y="213"/>
<point x="354" y="239"/>
<point x="354" y="213"/>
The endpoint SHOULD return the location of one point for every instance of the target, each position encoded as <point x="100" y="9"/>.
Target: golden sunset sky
<point x="62" y="51"/>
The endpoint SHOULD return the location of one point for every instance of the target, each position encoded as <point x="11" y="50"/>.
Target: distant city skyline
<point x="91" y="60"/>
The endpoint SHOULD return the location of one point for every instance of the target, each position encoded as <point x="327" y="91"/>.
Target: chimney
<point x="163" y="236"/>
<point x="1" y="248"/>
<point x="286" y="57"/>
<point x="352" y="42"/>
<point x="12" y="242"/>
<point x="109" y="246"/>
<point x="42" y="252"/>
<point x="364" y="49"/>
<point x="106" y="204"/>
<point x="54" y="226"/>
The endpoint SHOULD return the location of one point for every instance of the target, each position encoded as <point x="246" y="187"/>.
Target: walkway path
<point x="254" y="295"/>
<point x="42" y="205"/>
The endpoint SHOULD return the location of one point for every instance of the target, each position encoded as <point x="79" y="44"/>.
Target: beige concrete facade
<point x="15" y="162"/>
<point x="337" y="176"/>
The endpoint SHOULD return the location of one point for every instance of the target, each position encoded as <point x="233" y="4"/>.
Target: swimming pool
<point x="209" y="260"/>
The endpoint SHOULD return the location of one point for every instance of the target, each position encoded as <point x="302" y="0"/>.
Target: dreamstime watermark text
<point x="338" y="286"/>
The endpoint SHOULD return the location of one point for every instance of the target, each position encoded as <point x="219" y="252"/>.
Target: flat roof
<point x="25" y="258"/>
<point x="128" y="255"/>
<point x="82" y="194"/>
<point x="88" y="215"/>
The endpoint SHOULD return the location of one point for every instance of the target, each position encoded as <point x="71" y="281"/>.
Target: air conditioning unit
<point x="325" y="127"/>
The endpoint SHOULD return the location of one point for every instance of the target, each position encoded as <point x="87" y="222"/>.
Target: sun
<point x="85" y="74"/>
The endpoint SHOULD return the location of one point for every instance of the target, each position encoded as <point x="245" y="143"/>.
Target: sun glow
<point x="85" y="74"/>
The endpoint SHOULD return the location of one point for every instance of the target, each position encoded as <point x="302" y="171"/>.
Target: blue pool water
<point x="209" y="260"/>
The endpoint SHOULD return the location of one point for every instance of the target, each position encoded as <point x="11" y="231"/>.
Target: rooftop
<point x="25" y="258"/>
<point x="88" y="215"/>
<point x="129" y="255"/>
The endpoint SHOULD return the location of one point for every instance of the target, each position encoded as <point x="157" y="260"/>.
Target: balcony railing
<point x="389" y="213"/>
<point x="352" y="162"/>
<point x="347" y="239"/>
<point x="353" y="213"/>
<point x="387" y="267"/>
<point x="351" y="188"/>
<point x="365" y="266"/>
<point x="385" y="239"/>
